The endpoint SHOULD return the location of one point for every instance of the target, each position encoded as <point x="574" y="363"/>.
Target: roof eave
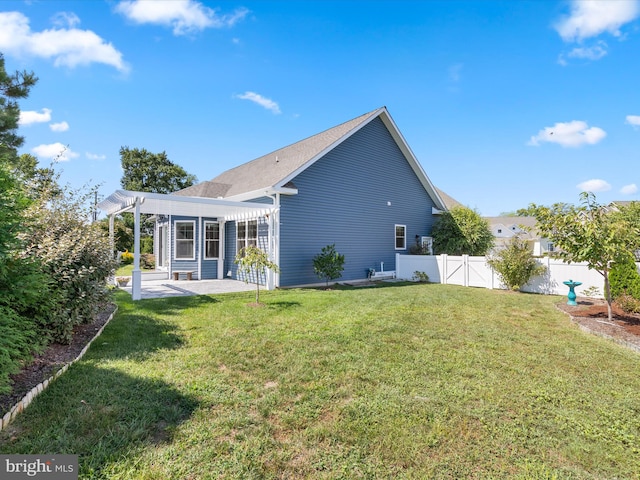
<point x="263" y="192"/>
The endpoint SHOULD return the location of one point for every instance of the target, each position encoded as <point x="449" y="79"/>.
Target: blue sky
<point x="504" y="103"/>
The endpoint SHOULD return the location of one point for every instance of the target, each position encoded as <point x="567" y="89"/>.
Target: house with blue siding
<point x="357" y="185"/>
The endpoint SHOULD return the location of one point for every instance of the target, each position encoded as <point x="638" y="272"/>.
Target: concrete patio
<point x="172" y="288"/>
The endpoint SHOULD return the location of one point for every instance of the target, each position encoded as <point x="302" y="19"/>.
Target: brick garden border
<point x="35" y="391"/>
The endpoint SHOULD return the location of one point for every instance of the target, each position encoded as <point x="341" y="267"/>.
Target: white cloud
<point x="59" y="127"/>
<point x="633" y="120"/>
<point x="260" y="100"/>
<point x="184" y="16"/>
<point x="68" y="47"/>
<point x="95" y="156"/>
<point x="55" y="151"/>
<point x="590" y="53"/>
<point x="590" y="18"/>
<point x="594" y="185"/>
<point x="569" y="134"/>
<point x="30" y="117"/>
<point x="629" y="189"/>
<point x="65" y="19"/>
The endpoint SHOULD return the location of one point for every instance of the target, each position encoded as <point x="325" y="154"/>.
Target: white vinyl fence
<point x="475" y="272"/>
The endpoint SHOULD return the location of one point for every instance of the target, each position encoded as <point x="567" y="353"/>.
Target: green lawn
<point x="126" y="270"/>
<point x="415" y="381"/>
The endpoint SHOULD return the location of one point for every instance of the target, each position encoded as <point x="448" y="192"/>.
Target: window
<point x="551" y="247"/>
<point x="247" y="233"/>
<point x="185" y="241"/>
<point x="401" y="237"/>
<point x="211" y="240"/>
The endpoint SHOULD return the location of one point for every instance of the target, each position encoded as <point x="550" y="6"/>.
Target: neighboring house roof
<point x="274" y="172"/>
<point x="525" y="226"/>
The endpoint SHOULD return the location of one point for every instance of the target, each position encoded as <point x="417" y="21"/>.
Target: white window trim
<point x="175" y="240"/>
<point x="204" y="240"/>
<point x="246" y="232"/>
<point x="395" y="236"/>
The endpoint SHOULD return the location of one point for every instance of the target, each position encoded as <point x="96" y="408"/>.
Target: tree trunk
<point x="257" y="291"/>
<point x="607" y="293"/>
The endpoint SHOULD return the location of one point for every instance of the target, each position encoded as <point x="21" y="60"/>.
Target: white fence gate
<point x="475" y="272"/>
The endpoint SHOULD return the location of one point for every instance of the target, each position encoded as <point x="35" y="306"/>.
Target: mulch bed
<point x="591" y="315"/>
<point x="56" y="355"/>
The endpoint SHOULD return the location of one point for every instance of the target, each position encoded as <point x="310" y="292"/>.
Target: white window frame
<point x="396" y="237"/>
<point x="205" y="240"/>
<point x="246" y="240"/>
<point x="176" y="240"/>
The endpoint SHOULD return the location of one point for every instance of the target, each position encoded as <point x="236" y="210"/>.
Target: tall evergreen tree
<point x="12" y="88"/>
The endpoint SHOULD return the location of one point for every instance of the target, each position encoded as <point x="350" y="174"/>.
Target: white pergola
<point x="162" y="204"/>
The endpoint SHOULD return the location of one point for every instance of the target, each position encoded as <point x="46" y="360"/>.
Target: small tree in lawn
<point x="515" y="264"/>
<point x="254" y="262"/>
<point x="328" y="264"/>
<point x="589" y="233"/>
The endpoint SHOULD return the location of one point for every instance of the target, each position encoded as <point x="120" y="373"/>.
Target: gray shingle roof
<point x="276" y="169"/>
<point x="271" y="169"/>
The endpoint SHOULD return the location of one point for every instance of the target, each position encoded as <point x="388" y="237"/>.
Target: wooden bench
<point x="177" y="273"/>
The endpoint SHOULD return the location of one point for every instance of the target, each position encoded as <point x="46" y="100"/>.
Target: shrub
<point x="75" y="255"/>
<point x="628" y="303"/>
<point x="328" y="264"/>
<point x="515" y="264"/>
<point x="461" y="231"/>
<point x="624" y="279"/>
<point x="420" y="277"/>
<point x="146" y="244"/>
<point x="24" y="289"/>
<point x="126" y="258"/>
<point x="148" y="261"/>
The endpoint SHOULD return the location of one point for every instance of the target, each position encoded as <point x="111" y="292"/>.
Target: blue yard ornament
<point x="572" y="294"/>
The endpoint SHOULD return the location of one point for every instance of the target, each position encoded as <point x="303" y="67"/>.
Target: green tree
<point x="122" y="233"/>
<point x="37" y="181"/>
<point x="630" y="213"/>
<point x="515" y="264"/>
<point x="253" y="263"/>
<point x="152" y="172"/>
<point x="144" y="171"/>
<point x="589" y="233"/>
<point x="328" y="264"/>
<point x="461" y="231"/>
<point x="12" y="88"/>
<point x="24" y="289"/>
<point x="625" y="279"/>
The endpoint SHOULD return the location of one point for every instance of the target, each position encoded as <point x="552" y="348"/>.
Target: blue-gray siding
<point x="343" y="199"/>
<point x="209" y="268"/>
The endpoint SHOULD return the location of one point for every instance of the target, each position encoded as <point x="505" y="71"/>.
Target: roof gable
<point x="275" y="170"/>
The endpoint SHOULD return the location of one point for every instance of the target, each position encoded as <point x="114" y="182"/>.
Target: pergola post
<point x="136" y="278"/>
<point x="112" y="234"/>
